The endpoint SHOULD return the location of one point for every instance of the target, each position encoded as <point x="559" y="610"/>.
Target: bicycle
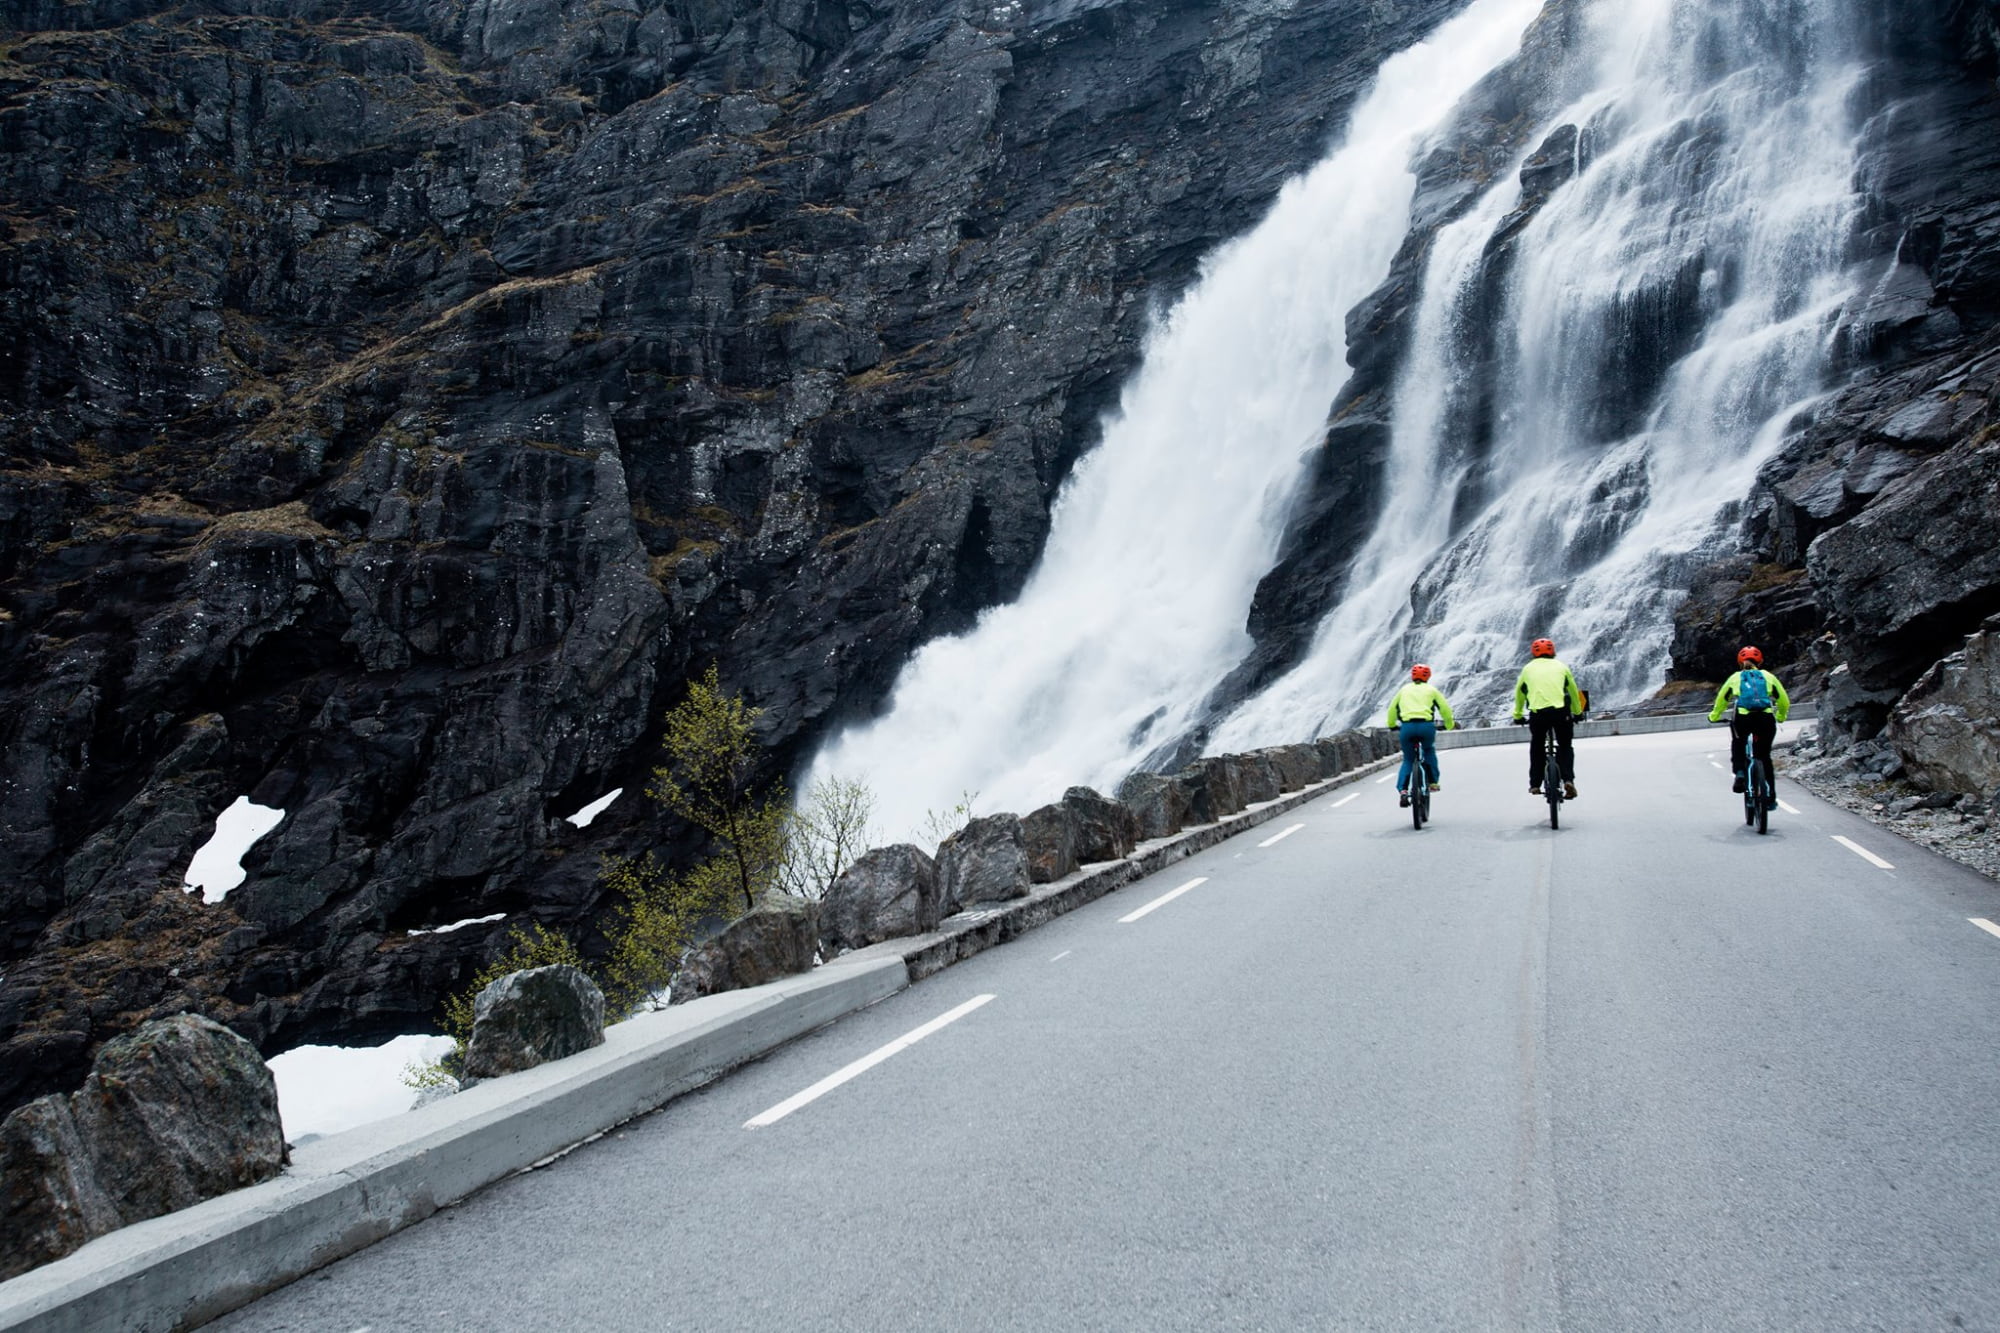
<point x="1552" y="778"/>
<point x="1419" y="792"/>
<point x="1759" y="795"/>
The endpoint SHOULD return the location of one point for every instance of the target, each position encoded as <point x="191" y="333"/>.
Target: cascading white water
<point x="1157" y="542"/>
<point x="1717" y="156"/>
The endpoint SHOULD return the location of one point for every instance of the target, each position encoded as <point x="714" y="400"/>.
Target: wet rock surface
<point x="779" y="937"/>
<point x="178" y="1111"/>
<point x="986" y="861"/>
<point x="402" y="401"/>
<point x="529" y="1018"/>
<point x="887" y="892"/>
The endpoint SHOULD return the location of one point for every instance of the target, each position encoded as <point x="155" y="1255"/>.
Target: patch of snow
<point x="459" y="925"/>
<point x="217" y="866"/>
<point x="595" y="808"/>
<point x="326" y="1089"/>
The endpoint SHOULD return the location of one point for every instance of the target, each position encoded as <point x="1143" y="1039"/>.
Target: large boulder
<point x="1162" y="804"/>
<point x="1332" y="760"/>
<point x="1213" y="790"/>
<point x="1105" y="829"/>
<point x="1947" y="728"/>
<point x="529" y="1018"/>
<point x="178" y="1111"/>
<point x="776" y="938"/>
<point x="1051" y="835"/>
<point x="887" y="893"/>
<point x="1256" y="777"/>
<point x="986" y="861"/>
<point x="1297" y="765"/>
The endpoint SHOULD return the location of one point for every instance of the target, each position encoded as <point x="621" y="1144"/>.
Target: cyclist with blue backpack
<point x="1761" y="704"/>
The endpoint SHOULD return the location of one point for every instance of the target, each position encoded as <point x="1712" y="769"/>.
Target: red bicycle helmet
<point x="1420" y="672"/>
<point x="1748" y="654"/>
<point x="1542" y="648"/>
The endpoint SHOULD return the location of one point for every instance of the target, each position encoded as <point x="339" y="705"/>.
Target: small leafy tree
<point x="654" y="923"/>
<point x="825" y="834"/>
<point x="941" y="824"/>
<point x="712" y="757"/>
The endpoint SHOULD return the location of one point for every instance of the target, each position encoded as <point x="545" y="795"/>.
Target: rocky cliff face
<point x="401" y="397"/>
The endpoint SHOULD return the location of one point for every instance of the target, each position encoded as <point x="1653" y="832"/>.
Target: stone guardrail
<point x="349" y="1190"/>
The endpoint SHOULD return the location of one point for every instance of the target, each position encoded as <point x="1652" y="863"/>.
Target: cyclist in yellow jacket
<point x="1761" y="704"/>
<point x="1414" y="714"/>
<point x="1547" y="697"/>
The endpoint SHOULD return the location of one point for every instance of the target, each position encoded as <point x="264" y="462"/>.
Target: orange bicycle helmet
<point x="1748" y="654"/>
<point x="1542" y="648"/>
<point x="1420" y="672"/>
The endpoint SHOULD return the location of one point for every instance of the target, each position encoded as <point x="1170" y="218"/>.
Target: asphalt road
<point x="1647" y="1071"/>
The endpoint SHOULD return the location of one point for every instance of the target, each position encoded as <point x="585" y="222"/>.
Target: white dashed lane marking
<point x="1164" y="899"/>
<point x="1984" y="925"/>
<point x="1345" y="799"/>
<point x="1280" y="837"/>
<point x="863" y="1065"/>
<point x="1862" y="852"/>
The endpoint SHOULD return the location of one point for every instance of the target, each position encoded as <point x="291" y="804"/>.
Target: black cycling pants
<point x="1761" y="726"/>
<point x="1539" y="723"/>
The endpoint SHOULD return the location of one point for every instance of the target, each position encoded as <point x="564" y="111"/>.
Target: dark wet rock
<point x="1051" y="837"/>
<point x="1105" y="829"/>
<point x="406" y="399"/>
<point x="1947" y="728"/>
<point x="178" y="1111"/>
<point x="1162" y="805"/>
<point x="1297" y="765"/>
<point x="531" y="1017"/>
<point x="777" y="938"/>
<point x="1214" y="789"/>
<point x="986" y="861"/>
<point x="889" y="892"/>
<point x="1256" y="777"/>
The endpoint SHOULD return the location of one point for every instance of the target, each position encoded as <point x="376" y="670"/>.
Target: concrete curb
<point x="347" y="1191"/>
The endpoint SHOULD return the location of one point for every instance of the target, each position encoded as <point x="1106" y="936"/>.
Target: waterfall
<point x="1136" y="609"/>
<point x="1669" y="311"/>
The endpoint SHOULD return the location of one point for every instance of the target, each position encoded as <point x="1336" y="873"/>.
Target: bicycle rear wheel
<point x="1552" y="790"/>
<point x="1760" y="783"/>
<point x="1420" y="803"/>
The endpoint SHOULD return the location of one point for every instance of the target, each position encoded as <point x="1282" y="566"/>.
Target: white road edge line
<point x="1787" y="807"/>
<point x="1351" y="796"/>
<point x="862" y="1066"/>
<point x="1064" y="954"/>
<point x="1164" y="899"/>
<point x="1862" y="852"/>
<point x="1984" y="925"/>
<point x="1280" y="837"/>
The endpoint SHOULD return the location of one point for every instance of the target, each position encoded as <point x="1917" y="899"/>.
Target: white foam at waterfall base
<point x="1742" y="176"/>
<point x="1159" y="537"/>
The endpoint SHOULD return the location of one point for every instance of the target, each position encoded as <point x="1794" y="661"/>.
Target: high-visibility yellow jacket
<point x="1415" y="702"/>
<point x="1781" y="703"/>
<point x="1545" y="683"/>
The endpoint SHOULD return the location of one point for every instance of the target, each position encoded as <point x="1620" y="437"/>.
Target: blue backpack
<point x="1753" y="691"/>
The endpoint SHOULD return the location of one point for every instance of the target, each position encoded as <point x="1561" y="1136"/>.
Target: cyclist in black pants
<point x="1761" y="704"/>
<point x="1546" y="696"/>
